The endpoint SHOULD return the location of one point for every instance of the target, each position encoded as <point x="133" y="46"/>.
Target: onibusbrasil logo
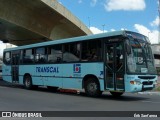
<point x="21" y="114"/>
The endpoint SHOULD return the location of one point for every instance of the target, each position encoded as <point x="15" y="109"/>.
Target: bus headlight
<point x="135" y="82"/>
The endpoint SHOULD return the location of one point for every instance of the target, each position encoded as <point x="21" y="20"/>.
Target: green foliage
<point x="158" y="88"/>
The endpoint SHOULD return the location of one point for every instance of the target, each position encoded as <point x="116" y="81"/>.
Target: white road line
<point x="151" y="102"/>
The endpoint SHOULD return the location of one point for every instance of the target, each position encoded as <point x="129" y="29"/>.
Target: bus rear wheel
<point x="117" y="94"/>
<point x="28" y="82"/>
<point x="92" y="88"/>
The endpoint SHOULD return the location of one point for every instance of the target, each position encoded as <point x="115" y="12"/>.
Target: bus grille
<point x="148" y="83"/>
<point x="146" y="77"/>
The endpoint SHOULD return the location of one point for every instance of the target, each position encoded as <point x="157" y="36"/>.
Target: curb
<point x="149" y="93"/>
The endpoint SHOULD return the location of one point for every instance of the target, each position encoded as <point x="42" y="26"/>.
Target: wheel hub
<point x="92" y="87"/>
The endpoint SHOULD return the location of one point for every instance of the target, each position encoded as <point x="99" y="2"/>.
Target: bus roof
<point x="67" y="40"/>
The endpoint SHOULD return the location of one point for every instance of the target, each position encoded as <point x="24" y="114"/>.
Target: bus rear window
<point x="7" y="58"/>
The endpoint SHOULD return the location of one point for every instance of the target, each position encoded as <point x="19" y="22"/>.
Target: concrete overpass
<point x="31" y="21"/>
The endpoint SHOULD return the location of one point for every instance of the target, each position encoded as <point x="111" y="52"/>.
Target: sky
<point x="112" y="15"/>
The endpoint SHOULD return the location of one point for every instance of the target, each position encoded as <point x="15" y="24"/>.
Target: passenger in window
<point x="87" y="56"/>
<point x="94" y="56"/>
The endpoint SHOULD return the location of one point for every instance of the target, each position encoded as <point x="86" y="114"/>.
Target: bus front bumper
<point x="138" y="85"/>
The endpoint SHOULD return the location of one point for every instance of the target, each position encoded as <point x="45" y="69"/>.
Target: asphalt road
<point x="16" y="98"/>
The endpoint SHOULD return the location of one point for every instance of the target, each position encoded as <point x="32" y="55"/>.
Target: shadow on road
<point x="105" y="96"/>
<point x="7" y="84"/>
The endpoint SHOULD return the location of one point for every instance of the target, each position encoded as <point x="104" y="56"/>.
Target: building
<point x="156" y="52"/>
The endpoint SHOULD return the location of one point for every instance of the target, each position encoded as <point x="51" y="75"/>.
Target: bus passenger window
<point x="28" y="56"/>
<point x="71" y="52"/>
<point x="7" y="58"/>
<point x="55" y="54"/>
<point x="40" y="55"/>
<point x="91" y="50"/>
<point x="21" y="57"/>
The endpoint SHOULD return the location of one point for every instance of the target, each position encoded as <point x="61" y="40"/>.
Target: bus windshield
<point x="140" y="60"/>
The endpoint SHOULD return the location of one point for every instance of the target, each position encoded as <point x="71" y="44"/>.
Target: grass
<point x="158" y="88"/>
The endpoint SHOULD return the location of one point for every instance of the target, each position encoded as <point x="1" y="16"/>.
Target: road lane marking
<point x="151" y="102"/>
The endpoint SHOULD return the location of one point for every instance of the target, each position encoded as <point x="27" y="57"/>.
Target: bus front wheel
<point x="92" y="88"/>
<point x="28" y="82"/>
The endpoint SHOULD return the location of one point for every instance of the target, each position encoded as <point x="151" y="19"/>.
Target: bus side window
<point x="71" y="52"/>
<point x="91" y="50"/>
<point x="55" y="54"/>
<point x="28" y="56"/>
<point x="41" y="55"/>
<point x="7" y="58"/>
<point x="21" y="57"/>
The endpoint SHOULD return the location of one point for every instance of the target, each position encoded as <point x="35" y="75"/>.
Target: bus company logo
<point x="77" y="68"/>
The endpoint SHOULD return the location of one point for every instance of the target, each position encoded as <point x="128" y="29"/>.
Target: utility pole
<point x="89" y="22"/>
<point x="103" y="27"/>
<point x="159" y="21"/>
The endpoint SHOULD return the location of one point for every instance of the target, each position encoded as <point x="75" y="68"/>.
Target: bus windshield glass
<point x="140" y="60"/>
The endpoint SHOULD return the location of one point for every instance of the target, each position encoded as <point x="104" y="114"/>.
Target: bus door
<point x="114" y="68"/>
<point x="15" y="66"/>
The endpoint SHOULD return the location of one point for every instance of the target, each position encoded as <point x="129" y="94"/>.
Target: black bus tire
<point x="28" y="82"/>
<point x="92" y="88"/>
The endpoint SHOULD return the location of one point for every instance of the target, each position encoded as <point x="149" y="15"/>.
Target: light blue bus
<point x="118" y="62"/>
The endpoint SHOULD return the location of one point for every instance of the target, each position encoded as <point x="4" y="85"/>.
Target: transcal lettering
<point x="47" y="69"/>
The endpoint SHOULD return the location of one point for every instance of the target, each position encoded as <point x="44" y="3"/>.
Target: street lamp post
<point x="159" y="22"/>
<point x="103" y="27"/>
<point x="89" y="22"/>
